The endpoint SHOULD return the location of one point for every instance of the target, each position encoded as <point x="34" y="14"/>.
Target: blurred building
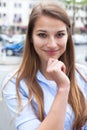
<point x="78" y="16"/>
<point x="14" y="15"/>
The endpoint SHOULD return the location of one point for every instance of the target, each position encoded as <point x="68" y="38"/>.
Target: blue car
<point x="15" y="49"/>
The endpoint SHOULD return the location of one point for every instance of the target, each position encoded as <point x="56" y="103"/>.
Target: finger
<point x="62" y="66"/>
<point x="51" y="60"/>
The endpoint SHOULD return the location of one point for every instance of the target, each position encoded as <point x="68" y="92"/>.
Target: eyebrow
<point x="41" y="31"/>
<point x="62" y="31"/>
<point x="46" y="31"/>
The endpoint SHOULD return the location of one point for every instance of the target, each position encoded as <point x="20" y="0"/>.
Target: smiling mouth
<point x="51" y="52"/>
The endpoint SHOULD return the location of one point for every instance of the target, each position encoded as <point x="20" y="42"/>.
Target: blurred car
<point x="86" y="58"/>
<point x="4" y="38"/>
<point x="1" y="39"/>
<point x="17" y="38"/>
<point x="80" y="39"/>
<point x="15" y="49"/>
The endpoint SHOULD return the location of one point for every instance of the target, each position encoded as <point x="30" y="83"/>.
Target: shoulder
<point x="82" y="71"/>
<point x="81" y="67"/>
<point x="9" y="85"/>
<point x="9" y="77"/>
<point x="81" y="78"/>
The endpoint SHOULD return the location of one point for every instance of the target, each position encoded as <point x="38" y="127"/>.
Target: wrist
<point x="64" y="89"/>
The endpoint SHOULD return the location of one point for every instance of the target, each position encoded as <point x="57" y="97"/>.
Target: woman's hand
<point x="57" y="71"/>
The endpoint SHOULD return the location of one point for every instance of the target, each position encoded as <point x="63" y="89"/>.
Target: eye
<point x="60" y="35"/>
<point x="42" y="35"/>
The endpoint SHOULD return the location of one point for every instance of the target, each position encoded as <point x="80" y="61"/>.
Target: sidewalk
<point x="9" y="60"/>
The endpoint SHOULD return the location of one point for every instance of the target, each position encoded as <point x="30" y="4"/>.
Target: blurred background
<point x="14" y="16"/>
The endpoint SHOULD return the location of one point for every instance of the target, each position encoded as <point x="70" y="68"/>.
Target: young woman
<point x="48" y="92"/>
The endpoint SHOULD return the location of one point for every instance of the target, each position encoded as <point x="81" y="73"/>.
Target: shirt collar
<point x="40" y="77"/>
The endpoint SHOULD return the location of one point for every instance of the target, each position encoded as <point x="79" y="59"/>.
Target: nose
<point x="52" y="43"/>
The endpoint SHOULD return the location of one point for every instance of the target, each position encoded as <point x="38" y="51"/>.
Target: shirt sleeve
<point x="69" y="118"/>
<point x="26" y="119"/>
<point x="82" y="82"/>
<point x="81" y="76"/>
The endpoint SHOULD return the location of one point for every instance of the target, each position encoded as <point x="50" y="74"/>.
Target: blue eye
<point x="42" y="35"/>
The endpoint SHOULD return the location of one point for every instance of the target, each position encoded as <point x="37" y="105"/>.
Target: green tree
<point x="75" y="3"/>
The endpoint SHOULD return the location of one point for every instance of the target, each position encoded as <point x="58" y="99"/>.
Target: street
<point x="7" y="64"/>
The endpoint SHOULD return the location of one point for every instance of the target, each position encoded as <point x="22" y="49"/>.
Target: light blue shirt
<point x="26" y="119"/>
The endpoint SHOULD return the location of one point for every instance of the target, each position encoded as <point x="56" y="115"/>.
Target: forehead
<point x="46" y="23"/>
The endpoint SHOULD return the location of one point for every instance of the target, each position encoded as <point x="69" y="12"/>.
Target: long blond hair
<point x="31" y="63"/>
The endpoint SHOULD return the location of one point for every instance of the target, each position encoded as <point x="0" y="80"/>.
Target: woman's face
<point x="49" y="38"/>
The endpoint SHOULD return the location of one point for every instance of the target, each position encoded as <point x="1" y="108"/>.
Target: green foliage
<point x="84" y="2"/>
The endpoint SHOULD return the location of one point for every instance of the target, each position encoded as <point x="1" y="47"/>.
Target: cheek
<point x="63" y="43"/>
<point x="36" y="41"/>
<point x="37" y="45"/>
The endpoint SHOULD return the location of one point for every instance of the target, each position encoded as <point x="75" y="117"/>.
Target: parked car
<point x="1" y="39"/>
<point x="17" y="38"/>
<point x="86" y="58"/>
<point x="80" y="39"/>
<point x="15" y="49"/>
<point x="4" y="38"/>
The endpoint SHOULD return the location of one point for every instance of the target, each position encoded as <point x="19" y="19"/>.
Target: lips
<point x="51" y="52"/>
